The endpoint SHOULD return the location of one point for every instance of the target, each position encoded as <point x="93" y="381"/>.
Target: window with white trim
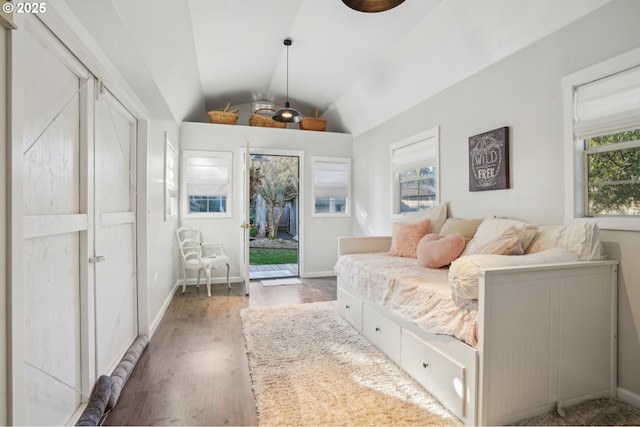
<point x="170" y="181"/>
<point x="206" y="184"/>
<point x="415" y="172"/>
<point x="331" y="186"/>
<point x="603" y="103"/>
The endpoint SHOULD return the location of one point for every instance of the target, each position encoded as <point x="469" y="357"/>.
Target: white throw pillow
<point x="437" y="215"/>
<point x="464" y="275"/>
<point x="581" y="237"/>
<point x="508" y="243"/>
<point x="491" y="228"/>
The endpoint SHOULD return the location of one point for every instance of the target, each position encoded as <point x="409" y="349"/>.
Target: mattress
<point x="417" y="294"/>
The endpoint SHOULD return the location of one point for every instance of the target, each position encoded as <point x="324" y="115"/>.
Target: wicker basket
<point x="265" y="121"/>
<point x="224" y="117"/>
<point x="313" y="123"/>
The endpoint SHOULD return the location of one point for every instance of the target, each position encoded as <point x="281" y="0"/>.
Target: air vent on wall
<point x="259" y="105"/>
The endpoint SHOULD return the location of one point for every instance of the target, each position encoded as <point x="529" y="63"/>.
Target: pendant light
<point x="287" y="114"/>
<point x="370" y="6"/>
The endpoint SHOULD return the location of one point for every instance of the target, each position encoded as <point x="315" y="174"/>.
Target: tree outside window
<point x="613" y="174"/>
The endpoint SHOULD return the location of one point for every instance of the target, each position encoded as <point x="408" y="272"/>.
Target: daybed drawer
<point x="384" y="333"/>
<point x="350" y="308"/>
<point x="444" y="378"/>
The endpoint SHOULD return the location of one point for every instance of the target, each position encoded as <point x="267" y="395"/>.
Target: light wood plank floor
<point x="194" y="370"/>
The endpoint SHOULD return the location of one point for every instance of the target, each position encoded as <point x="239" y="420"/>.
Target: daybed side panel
<point x="588" y="330"/>
<point x="546" y="336"/>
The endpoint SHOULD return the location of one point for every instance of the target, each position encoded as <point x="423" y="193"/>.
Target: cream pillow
<point x="406" y="236"/>
<point x="508" y="243"/>
<point x="582" y="237"/>
<point x="466" y="227"/>
<point x="464" y="272"/>
<point x="491" y="228"/>
<point x="437" y="215"/>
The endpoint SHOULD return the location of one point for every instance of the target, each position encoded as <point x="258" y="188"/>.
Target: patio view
<point x="273" y="215"/>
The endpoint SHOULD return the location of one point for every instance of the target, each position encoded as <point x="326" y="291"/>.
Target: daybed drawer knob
<point x="378" y="329"/>
<point x="425" y="365"/>
<point x="348" y="307"/>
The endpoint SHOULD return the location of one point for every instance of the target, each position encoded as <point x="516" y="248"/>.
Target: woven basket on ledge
<point x="265" y="121"/>
<point x="313" y="123"/>
<point x="223" y="117"/>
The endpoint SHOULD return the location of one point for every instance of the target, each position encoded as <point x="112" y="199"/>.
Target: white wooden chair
<point x="198" y="255"/>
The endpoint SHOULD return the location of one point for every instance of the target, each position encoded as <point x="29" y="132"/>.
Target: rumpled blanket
<point x="417" y="294"/>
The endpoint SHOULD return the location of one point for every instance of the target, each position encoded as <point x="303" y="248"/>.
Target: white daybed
<point x="546" y="337"/>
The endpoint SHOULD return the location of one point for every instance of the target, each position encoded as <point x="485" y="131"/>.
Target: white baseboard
<point x="163" y="309"/>
<point x="629" y="397"/>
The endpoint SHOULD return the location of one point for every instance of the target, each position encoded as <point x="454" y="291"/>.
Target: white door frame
<point x="266" y="151"/>
<point x="246" y="232"/>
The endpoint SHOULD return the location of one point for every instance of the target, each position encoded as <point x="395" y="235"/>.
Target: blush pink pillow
<point x="436" y="252"/>
<point x="406" y="236"/>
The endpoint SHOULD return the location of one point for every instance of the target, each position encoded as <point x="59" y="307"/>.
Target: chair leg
<point x="207" y="272"/>
<point x="228" y="283"/>
<point x="198" y="282"/>
<point x="184" y="280"/>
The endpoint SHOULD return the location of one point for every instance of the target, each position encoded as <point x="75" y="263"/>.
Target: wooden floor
<point x="194" y="370"/>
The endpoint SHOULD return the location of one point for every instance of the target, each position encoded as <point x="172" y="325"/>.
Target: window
<point x="613" y="174"/>
<point x="331" y="186"/>
<point x="206" y="184"/>
<point x="602" y="105"/>
<point x="415" y="172"/>
<point x="170" y="181"/>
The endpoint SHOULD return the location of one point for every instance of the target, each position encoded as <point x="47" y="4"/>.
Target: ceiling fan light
<point x="370" y="6"/>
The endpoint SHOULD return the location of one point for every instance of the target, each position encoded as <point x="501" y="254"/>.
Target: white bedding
<point x="420" y="295"/>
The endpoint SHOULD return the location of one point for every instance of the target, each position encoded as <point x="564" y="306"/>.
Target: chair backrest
<point x="186" y="234"/>
<point x="189" y="242"/>
<point x="192" y="247"/>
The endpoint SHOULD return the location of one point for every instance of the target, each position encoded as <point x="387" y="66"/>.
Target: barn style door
<point x="55" y="225"/>
<point x="115" y="246"/>
<point x="79" y="250"/>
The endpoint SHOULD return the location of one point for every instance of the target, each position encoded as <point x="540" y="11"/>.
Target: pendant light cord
<point x="287" y="73"/>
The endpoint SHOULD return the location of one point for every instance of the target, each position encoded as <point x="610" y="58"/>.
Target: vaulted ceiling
<point x="185" y="57"/>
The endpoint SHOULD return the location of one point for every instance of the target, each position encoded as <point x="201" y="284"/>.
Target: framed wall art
<point x="489" y="160"/>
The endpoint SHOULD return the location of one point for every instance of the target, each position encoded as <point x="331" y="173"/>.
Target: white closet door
<point x="115" y="231"/>
<point x="54" y="223"/>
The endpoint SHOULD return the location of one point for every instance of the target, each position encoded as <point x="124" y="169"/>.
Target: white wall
<point x="522" y="92"/>
<point x="162" y="262"/>
<point x="319" y="235"/>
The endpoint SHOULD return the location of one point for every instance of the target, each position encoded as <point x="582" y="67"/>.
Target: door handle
<point x="97" y="259"/>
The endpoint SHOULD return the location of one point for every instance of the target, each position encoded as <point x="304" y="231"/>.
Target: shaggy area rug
<point x="310" y="367"/>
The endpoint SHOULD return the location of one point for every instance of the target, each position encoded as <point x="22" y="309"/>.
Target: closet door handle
<point x="97" y="259"/>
